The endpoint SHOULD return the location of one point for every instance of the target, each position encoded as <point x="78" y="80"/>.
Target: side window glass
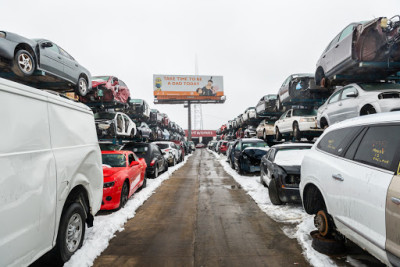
<point x="332" y="43"/>
<point x="347" y="91"/>
<point x="351" y="151"/>
<point x="346" y="32"/>
<point x="335" y="97"/>
<point x="289" y="114"/>
<point x="379" y="147"/>
<point x="336" y="141"/>
<point x="238" y="147"/>
<point x="130" y="158"/>
<point x="54" y="48"/>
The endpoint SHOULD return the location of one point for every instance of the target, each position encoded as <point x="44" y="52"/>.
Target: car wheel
<point x="23" y="64"/>
<point x="367" y="110"/>
<point x="323" y="222"/>
<point x="296" y="132"/>
<point x="328" y="246"/>
<point x="174" y="163"/>
<point x="144" y="183"/>
<point x="82" y="87"/>
<point x="264" y="135"/>
<point x="239" y="169"/>
<point x="278" y="135"/>
<point x="232" y="164"/>
<point x="262" y="178"/>
<point x="310" y="138"/>
<point x="324" y="123"/>
<point x="273" y="193"/>
<point x="166" y="166"/>
<point x="124" y="195"/>
<point x="71" y="231"/>
<point x="155" y="172"/>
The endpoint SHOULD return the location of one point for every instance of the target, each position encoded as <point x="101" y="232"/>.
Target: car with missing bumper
<point x="114" y="124"/>
<point x="280" y="172"/>
<point x="360" y="99"/>
<point x="170" y="151"/>
<point x="107" y="89"/>
<point x="267" y="104"/>
<point x="297" y="123"/>
<point x="124" y="173"/>
<point x="25" y="56"/>
<point x="247" y="154"/>
<point x="350" y="180"/>
<point x="367" y="50"/>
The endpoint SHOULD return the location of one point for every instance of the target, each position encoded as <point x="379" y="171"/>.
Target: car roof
<point x="378" y="118"/>
<point x="292" y="145"/>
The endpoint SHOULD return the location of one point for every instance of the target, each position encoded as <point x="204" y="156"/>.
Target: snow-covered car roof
<point x="255" y="147"/>
<point x="252" y="140"/>
<point x="293" y="145"/>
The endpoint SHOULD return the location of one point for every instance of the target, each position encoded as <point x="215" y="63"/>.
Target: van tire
<point x="74" y="210"/>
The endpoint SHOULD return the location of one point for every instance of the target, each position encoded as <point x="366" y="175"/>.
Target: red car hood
<point x="97" y="83"/>
<point x="107" y="172"/>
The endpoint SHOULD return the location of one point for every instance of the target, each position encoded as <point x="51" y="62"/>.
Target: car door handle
<point x="396" y="200"/>
<point x="338" y="177"/>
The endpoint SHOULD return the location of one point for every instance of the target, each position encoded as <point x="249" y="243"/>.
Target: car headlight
<point x="307" y="119"/>
<point x="104" y="126"/>
<point x="109" y="184"/>
<point x="2" y="35"/>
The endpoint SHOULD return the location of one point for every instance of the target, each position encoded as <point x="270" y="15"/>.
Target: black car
<point x="247" y="154"/>
<point x="280" y="172"/>
<point x="153" y="156"/>
<point x="266" y="104"/>
<point x="25" y="56"/>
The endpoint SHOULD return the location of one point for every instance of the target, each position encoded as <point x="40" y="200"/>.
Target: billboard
<point x="188" y="87"/>
<point x="202" y="133"/>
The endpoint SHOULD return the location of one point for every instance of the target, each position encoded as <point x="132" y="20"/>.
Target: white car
<point x="170" y="151"/>
<point x="297" y="123"/>
<point x="265" y="129"/>
<point x="351" y="180"/>
<point x="111" y="124"/>
<point x="359" y="99"/>
<point x="249" y="113"/>
<point x="52" y="179"/>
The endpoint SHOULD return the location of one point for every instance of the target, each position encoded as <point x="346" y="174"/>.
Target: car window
<point x="114" y="160"/>
<point x="130" y="158"/>
<point x="346" y="32"/>
<point x="238" y="147"/>
<point x="335" y="97"/>
<point x="286" y="81"/>
<point x="336" y="141"/>
<point x="352" y="149"/>
<point x="379" y="147"/>
<point x="289" y="114"/>
<point x="65" y="54"/>
<point x="283" y="115"/>
<point x="332" y="43"/>
<point x="121" y="83"/>
<point x="346" y="91"/>
<point x="54" y="48"/>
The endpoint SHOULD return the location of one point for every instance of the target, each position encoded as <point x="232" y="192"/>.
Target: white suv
<point x="297" y="123"/>
<point x="350" y="180"/>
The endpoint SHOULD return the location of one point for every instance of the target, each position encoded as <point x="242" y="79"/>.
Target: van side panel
<point x="77" y="153"/>
<point x="28" y="179"/>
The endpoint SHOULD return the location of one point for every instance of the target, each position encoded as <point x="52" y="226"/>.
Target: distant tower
<point x="197" y="111"/>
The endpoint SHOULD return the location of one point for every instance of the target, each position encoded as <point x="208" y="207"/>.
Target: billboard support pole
<point x="189" y="122"/>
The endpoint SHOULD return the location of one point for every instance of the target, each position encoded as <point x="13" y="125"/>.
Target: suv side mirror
<point x="46" y="44"/>
<point x="352" y="94"/>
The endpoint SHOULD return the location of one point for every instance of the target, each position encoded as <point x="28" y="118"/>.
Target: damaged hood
<point x="110" y="171"/>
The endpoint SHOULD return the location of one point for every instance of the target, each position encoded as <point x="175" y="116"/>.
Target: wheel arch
<point x="365" y="106"/>
<point x="28" y="48"/>
<point x="80" y="195"/>
<point x="319" y="73"/>
<point x="313" y="199"/>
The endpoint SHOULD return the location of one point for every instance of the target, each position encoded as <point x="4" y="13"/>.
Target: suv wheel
<point x="323" y="222"/>
<point x="71" y="231"/>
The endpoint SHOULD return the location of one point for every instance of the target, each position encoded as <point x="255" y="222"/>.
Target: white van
<point x="51" y="179"/>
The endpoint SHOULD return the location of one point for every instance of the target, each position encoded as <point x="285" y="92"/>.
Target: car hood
<point x="255" y="152"/>
<point x="97" y="83"/>
<point x="291" y="169"/>
<point x="108" y="172"/>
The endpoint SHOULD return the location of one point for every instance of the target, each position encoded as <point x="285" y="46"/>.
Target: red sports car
<point x="124" y="174"/>
<point x="107" y="89"/>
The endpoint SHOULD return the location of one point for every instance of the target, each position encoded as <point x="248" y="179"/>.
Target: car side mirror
<point x="164" y="153"/>
<point x="46" y="44"/>
<point x="352" y="94"/>
<point x="134" y="163"/>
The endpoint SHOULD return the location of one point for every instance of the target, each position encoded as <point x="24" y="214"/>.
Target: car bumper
<point x="113" y="203"/>
<point x="309" y="127"/>
<point x="289" y="194"/>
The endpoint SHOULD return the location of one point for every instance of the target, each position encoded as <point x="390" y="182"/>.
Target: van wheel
<point x="23" y="64"/>
<point x="124" y="195"/>
<point x="273" y="193"/>
<point x="323" y="222"/>
<point x="82" y="87"/>
<point x="71" y="232"/>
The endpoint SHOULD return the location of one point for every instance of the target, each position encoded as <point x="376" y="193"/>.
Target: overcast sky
<point x="255" y="45"/>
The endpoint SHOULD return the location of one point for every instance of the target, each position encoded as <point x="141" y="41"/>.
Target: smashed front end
<point x="105" y="128"/>
<point x="251" y="158"/>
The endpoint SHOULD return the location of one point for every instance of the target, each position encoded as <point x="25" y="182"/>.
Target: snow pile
<point x="298" y="223"/>
<point x="97" y="238"/>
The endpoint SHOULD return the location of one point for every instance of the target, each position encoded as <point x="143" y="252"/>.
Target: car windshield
<point x="256" y="153"/>
<point x="163" y="146"/>
<point x="254" y="144"/>
<point x="114" y="160"/>
<point x="104" y="116"/>
<point x="271" y="97"/>
<point x="290" y="156"/>
<point x="379" y="86"/>
<point x="104" y="146"/>
<point x="140" y="150"/>
<point x="100" y="78"/>
<point x="304" y="112"/>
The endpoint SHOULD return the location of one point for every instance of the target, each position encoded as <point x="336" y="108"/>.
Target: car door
<point x="279" y="123"/>
<point x="51" y="59"/>
<point x="159" y="159"/>
<point x="343" y="48"/>
<point x="333" y="109"/>
<point x="236" y="153"/>
<point x="327" y="59"/>
<point x="393" y="216"/>
<point x="364" y="183"/>
<point x="71" y="67"/>
<point x="269" y="165"/>
<point x="134" y="172"/>
<point x="287" y="122"/>
<point x="120" y="124"/>
<point x="348" y="105"/>
<point x="128" y="125"/>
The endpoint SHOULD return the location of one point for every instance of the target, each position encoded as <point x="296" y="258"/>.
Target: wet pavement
<point x="201" y="217"/>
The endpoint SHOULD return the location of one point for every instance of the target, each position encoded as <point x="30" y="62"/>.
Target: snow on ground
<point x="98" y="237"/>
<point x="298" y="224"/>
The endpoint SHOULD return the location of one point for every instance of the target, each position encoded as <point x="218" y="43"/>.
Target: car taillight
<point x="109" y="184"/>
<point x="152" y="162"/>
<point x="167" y="150"/>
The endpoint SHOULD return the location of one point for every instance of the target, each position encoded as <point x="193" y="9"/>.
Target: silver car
<point x="359" y="99"/>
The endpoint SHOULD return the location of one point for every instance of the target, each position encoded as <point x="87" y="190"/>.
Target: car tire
<point x="174" y="162"/>
<point x="166" y="166"/>
<point x="324" y="223"/>
<point x="82" y="87"/>
<point x="367" y="110"/>
<point x="124" y="195"/>
<point x="232" y="164"/>
<point x="278" y="135"/>
<point x="273" y="193"/>
<point x="155" y="175"/>
<point x="239" y="169"/>
<point x="296" y="131"/>
<point x="144" y="183"/>
<point x="328" y="246"/>
<point x="23" y="64"/>
<point x="264" y="135"/>
<point x="310" y="138"/>
<point x="71" y="232"/>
